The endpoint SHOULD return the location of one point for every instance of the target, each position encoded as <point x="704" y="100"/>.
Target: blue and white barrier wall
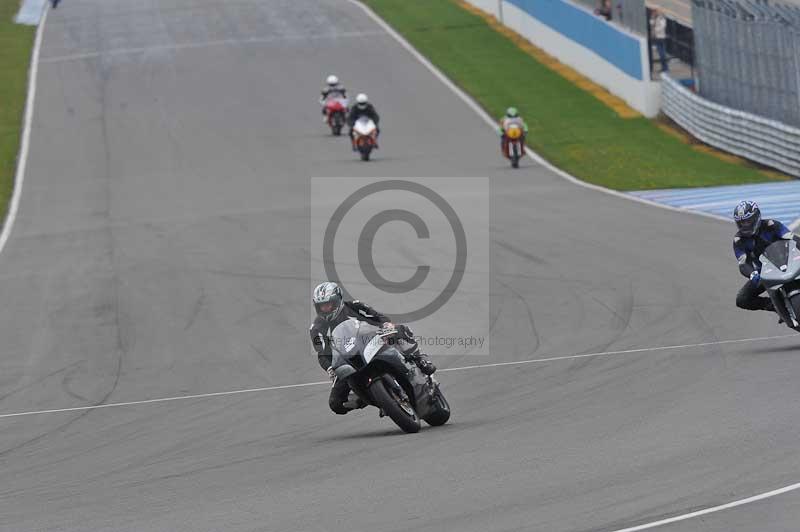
<point x="609" y="55"/>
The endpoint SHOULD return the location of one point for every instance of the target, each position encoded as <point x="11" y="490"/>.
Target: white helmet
<point x="362" y="98"/>
<point x="328" y="300"/>
<point x="332" y="80"/>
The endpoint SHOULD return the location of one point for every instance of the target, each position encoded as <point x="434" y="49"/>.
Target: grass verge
<point x="16" y="42"/>
<point x="568" y="126"/>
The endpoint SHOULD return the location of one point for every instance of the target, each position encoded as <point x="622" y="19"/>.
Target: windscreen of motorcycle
<point x="353" y="338"/>
<point x="364" y="126"/>
<point x="780" y="262"/>
<point x="778" y="253"/>
<point x="337" y="103"/>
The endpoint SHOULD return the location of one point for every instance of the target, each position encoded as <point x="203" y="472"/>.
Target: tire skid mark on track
<point x="529" y="312"/>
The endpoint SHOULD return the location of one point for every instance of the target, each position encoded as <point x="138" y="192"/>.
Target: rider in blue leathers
<point x="752" y="238"/>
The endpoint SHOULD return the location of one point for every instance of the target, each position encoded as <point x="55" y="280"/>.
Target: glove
<point x="331" y="373"/>
<point x="755" y="278"/>
<point x="405" y="332"/>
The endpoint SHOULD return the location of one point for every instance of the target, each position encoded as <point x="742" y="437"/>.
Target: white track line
<point x="713" y="509"/>
<point x="22" y="157"/>
<point x="207" y="44"/>
<point x="165" y="399"/>
<point x="622" y="352"/>
<point x="488" y="119"/>
<point x="461" y="368"/>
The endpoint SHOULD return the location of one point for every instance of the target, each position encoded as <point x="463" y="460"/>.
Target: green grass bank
<point x="16" y="42"/>
<point x="568" y="126"/>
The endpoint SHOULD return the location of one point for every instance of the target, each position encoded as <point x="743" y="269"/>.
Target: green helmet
<point x="511" y="112"/>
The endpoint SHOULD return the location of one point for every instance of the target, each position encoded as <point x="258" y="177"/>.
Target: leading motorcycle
<point x="365" y="136"/>
<point x="780" y="275"/>
<point x="371" y="360"/>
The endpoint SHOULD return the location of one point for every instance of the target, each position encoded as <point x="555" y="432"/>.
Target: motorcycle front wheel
<point x="794" y="301"/>
<point x="397" y="408"/>
<point x="441" y="413"/>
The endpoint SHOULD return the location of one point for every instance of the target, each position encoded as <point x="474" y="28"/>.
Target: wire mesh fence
<point x="746" y="54"/>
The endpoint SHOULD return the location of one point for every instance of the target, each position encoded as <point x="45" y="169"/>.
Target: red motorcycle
<point x="336" y="111"/>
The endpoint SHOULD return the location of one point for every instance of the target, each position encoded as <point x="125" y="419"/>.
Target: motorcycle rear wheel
<point x="405" y="418"/>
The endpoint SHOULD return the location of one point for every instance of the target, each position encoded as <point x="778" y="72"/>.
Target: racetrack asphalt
<point x="161" y="249"/>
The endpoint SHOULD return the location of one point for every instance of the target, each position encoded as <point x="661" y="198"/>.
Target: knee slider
<point x="337" y="407"/>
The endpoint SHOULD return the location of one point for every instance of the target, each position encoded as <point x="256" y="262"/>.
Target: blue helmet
<point x="748" y="218"/>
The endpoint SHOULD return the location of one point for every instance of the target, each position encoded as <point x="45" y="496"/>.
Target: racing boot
<point x="354" y="403"/>
<point x="423" y="363"/>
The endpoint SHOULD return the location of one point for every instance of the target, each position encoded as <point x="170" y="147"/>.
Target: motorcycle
<point x="378" y="373"/>
<point x="515" y="146"/>
<point x="336" y="111"/>
<point x="365" y="135"/>
<point x="780" y="275"/>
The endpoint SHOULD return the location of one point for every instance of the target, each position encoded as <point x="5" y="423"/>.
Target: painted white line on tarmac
<point x="713" y="509"/>
<point x="461" y="368"/>
<point x="165" y="399"/>
<point x="208" y="44"/>
<point x="24" y="147"/>
<point x="622" y="352"/>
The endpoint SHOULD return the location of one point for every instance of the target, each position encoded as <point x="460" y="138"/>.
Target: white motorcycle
<point x="365" y="136"/>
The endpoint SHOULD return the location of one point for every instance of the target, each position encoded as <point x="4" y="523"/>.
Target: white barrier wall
<point x="610" y="56"/>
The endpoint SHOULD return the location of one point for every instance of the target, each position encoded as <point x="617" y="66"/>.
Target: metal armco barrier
<point x="756" y="138"/>
<point x="748" y="56"/>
